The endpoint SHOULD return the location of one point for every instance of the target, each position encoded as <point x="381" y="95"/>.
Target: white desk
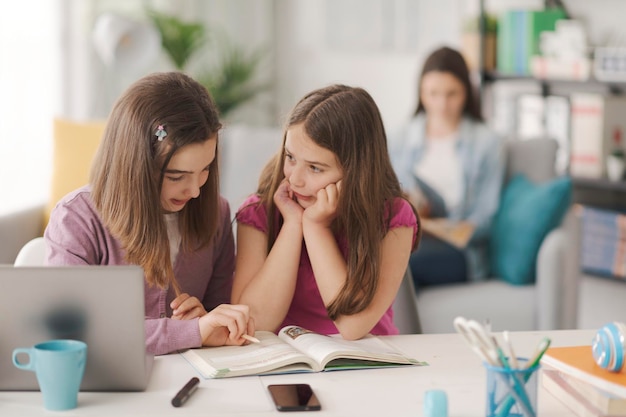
<point x="377" y="392"/>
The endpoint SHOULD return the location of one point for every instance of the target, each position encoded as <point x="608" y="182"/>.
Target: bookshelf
<point x="586" y="187"/>
<point x="600" y="299"/>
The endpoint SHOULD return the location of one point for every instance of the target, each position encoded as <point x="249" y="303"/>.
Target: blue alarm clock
<point x="608" y="346"/>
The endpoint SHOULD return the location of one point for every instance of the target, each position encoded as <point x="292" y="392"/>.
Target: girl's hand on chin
<point x="325" y="208"/>
<point x="288" y="207"/>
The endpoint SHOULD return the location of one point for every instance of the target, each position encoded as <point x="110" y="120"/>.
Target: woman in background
<point x="451" y="165"/>
<point x="153" y="201"/>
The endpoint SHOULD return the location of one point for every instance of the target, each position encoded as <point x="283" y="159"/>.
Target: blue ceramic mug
<point x="59" y="366"/>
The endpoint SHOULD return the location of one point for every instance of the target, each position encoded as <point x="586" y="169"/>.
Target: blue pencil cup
<point x="512" y="392"/>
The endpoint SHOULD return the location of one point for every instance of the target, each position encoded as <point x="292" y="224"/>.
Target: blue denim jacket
<point x="482" y="154"/>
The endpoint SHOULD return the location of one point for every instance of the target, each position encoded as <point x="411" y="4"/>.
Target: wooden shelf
<point x="599" y="184"/>
<point x="601" y="193"/>
<point x="613" y="86"/>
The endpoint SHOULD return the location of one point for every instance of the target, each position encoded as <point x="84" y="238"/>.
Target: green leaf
<point x="231" y="82"/>
<point x="180" y="39"/>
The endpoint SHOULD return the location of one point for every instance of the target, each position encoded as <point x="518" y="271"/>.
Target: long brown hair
<point x="128" y="169"/>
<point x="451" y="61"/>
<point x="346" y="121"/>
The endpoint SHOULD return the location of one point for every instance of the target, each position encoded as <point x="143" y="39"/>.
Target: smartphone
<point x="294" y="397"/>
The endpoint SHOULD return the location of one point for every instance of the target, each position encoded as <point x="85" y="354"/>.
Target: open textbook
<point x="293" y="350"/>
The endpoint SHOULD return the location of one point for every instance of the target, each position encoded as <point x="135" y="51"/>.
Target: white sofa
<point x="17" y="228"/>
<point x="548" y="304"/>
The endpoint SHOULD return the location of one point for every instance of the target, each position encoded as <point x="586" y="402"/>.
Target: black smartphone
<point x="294" y="397"/>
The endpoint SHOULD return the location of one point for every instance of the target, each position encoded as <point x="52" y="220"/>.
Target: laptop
<point x="100" y="305"/>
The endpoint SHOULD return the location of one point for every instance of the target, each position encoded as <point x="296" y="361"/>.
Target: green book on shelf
<point x="504" y="42"/>
<point x="538" y="21"/>
<point x="519" y="32"/>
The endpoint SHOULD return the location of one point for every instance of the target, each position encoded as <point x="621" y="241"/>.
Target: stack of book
<point x="518" y="37"/>
<point x="603" y="247"/>
<point x="571" y="375"/>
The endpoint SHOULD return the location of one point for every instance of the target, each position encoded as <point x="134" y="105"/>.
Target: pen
<point x="251" y="338"/>
<point x="185" y="392"/>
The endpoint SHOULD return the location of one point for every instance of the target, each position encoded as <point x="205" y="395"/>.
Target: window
<point x="30" y="82"/>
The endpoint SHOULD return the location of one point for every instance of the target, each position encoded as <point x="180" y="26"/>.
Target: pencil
<point x="251" y="338"/>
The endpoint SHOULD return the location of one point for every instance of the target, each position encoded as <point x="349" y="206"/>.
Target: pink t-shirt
<point x="307" y="307"/>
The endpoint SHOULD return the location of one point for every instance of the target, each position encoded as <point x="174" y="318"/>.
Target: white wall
<point x="376" y="44"/>
<point x="321" y="42"/>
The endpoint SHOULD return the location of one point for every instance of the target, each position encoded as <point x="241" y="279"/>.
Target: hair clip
<point x="160" y="133"/>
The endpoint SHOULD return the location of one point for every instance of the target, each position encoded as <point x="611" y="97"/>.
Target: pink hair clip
<point x="160" y="133"/>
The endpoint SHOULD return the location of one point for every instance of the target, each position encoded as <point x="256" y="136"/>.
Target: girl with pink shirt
<point x="325" y="241"/>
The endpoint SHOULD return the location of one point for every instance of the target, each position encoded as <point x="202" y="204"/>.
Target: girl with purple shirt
<point x="325" y="241"/>
<point x="153" y="200"/>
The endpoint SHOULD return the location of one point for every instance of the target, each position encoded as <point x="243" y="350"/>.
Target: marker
<point x="251" y="338"/>
<point x="544" y="344"/>
<point x="185" y="392"/>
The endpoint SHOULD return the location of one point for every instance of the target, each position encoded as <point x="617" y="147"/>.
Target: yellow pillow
<point x="75" y="144"/>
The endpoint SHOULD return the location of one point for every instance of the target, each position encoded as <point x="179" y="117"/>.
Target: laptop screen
<point x="100" y="305"/>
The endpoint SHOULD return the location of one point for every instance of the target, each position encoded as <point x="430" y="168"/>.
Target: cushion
<point x="528" y="212"/>
<point x="75" y="144"/>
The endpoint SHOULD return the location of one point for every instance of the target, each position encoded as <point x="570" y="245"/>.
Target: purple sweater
<point x="75" y="235"/>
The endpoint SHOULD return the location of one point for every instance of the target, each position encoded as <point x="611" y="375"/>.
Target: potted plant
<point x="230" y="80"/>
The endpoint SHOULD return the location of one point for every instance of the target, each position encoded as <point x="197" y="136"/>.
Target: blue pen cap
<point x="435" y="403"/>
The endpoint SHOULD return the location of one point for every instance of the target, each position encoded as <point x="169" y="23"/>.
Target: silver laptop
<point x="101" y="305"/>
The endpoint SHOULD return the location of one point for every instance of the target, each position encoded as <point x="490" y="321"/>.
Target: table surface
<point x="453" y="367"/>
